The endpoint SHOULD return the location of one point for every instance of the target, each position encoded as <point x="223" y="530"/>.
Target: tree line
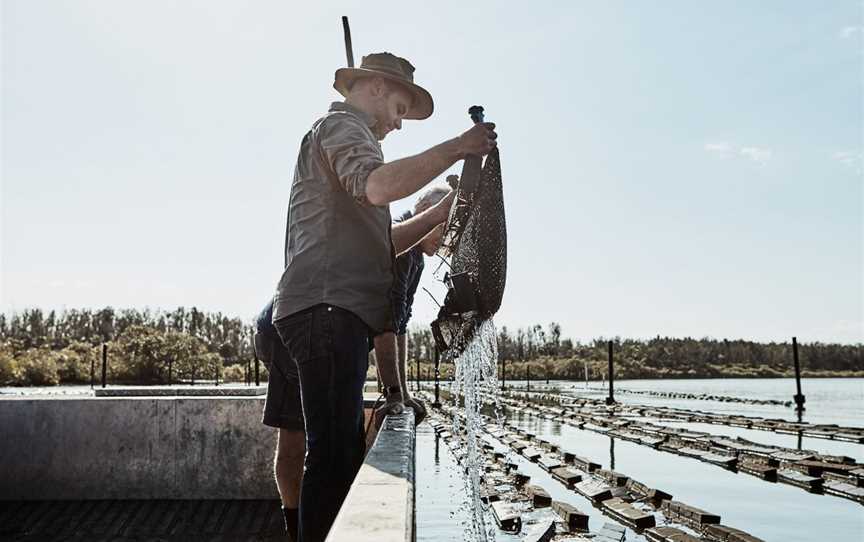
<point x="145" y="346"/>
<point x="544" y="353"/>
<point x="156" y="346"/>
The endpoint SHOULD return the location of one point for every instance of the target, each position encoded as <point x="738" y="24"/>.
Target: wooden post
<point x="437" y="403"/>
<point x="104" y="364"/>
<point x="611" y="399"/>
<point x="799" y="397"/>
<point x="170" y="370"/>
<point x="257" y="371"/>
<point x="528" y="378"/>
<point x="417" y="374"/>
<point x="92" y="372"/>
<point x="503" y="373"/>
<point x="611" y="453"/>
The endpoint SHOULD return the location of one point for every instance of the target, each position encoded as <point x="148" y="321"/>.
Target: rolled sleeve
<point x="351" y="152"/>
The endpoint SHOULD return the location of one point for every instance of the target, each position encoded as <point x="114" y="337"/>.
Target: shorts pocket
<point x="296" y="332"/>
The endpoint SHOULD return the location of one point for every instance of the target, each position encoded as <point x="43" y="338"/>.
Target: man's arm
<point x="402" y="353"/>
<point x="402" y="362"/>
<point x="386" y="360"/>
<point x="395" y="180"/>
<point x="409" y="232"/>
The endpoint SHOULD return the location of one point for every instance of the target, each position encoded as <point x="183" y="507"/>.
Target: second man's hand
<point x="441" y="210"/>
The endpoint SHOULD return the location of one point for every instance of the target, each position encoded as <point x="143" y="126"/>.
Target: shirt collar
<point x="365" y="117"/>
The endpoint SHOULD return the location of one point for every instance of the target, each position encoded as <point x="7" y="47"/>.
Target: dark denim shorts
<point x="282" y="408"/>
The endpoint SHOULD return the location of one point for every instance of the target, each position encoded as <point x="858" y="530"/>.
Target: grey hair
<point x="430" y="197"/>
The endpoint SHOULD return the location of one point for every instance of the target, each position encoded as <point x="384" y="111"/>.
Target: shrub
<point x="73" y="363"/>
<point x="8" y="366"/>
<point x="38" y="367"/>
<point x="234" y="373"/>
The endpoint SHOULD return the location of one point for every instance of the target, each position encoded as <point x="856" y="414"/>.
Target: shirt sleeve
<point x="416" y="271"/>
<point x="351" y="152"/>
<point x="399" y="292"/>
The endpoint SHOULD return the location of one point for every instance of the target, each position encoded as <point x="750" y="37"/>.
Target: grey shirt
<point x="338" y="248"/>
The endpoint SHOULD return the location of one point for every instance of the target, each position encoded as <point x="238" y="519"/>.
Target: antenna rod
<point x="349" y="50"/>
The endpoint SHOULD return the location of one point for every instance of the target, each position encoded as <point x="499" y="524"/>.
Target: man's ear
<point x="378" y="87"/>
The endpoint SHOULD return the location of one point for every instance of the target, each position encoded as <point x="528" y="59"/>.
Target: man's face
<point x="432" y="242"/>
<point x="391" y="107"/>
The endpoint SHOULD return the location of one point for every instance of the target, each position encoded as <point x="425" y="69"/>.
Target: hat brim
<point x="421" y="107"/>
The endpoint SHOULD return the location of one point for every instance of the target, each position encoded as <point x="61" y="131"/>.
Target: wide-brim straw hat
<point x="392" y="68"/>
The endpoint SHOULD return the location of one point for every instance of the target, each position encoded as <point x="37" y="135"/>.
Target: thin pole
<point x="528" y="377"/>
<point x="611" y="399"/>
<point x="799" y="397"/>
<point x="92" y="372"/>
<point x="349" y="50"/>
<point x="503" y="373"/>
<point x="257" y="371"/>
<point x="417" y="374"/>
<point x="437" y="403"/>
<point x="104" y="364"/>
<point x="611" y="453"/>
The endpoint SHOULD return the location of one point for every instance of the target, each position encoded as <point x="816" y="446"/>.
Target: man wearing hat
<point x="334" y="291"/>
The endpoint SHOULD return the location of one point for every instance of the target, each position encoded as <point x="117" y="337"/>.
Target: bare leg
<point x="288" y="468"/>
<point x="288" y="465"/>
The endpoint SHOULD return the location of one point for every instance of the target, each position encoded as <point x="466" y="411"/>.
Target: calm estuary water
<point x="771" y="511"/>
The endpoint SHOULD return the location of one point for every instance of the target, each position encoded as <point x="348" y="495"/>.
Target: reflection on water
<point x="771" y="511"/>
<point x="440" y="490"/>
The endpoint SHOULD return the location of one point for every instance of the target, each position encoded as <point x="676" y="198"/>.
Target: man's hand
<point x="441" y="210"/>
<point x="393" y="405"/>
<point x="419" y="409"/>
<point x="480" y="139"/>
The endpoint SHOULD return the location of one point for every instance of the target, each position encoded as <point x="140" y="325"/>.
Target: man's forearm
<point x="409" y="232"/>
<point x="401" y="178"/>
<point x="385" y="358"/>
<point x="402" y="361"/>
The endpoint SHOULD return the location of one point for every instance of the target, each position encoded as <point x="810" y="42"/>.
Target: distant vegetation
<point x="39" y="349"/>
<point x="145" y="346"/>
<point x="544" y="353"/>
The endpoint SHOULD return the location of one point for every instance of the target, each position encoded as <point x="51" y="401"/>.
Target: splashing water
<point x="476" y="376"/>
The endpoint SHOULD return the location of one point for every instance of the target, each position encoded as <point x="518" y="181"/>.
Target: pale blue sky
<point x="674" y="168"/>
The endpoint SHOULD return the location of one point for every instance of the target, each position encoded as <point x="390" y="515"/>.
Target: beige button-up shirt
<point x="338" y="249"/>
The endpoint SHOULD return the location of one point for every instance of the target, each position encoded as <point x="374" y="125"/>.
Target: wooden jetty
<point x="542" y="532"/>
<point x="820" y="431"/>
<point x="628" y="502"/>
<point x="729" y="534"/>
<point x="628" y="514"/>
<point x="689" y="515"/>
<point x="573" y="518"/>
<point x="539" y="497"/>
<point x="806" y="469"/>
<point x="668" y="533"/>
<point x="568" y="476"/>
<point x="507" y="516"/>
<point x="611" y="533"/>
